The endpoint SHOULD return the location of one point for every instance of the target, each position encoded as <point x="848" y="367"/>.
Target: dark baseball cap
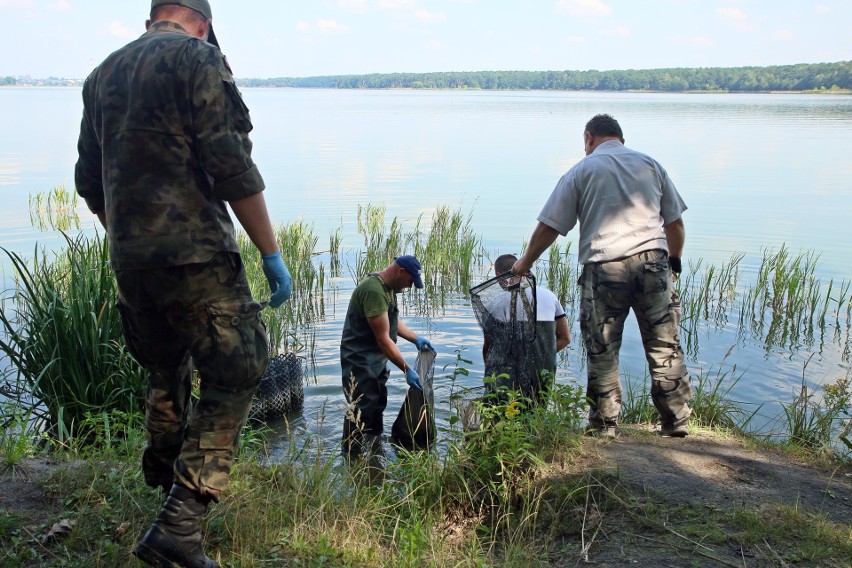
<point x="200" y="6"/>
<point x="412" y="266"/>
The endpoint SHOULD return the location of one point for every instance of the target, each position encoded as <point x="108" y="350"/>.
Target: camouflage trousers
<point x="201" y="316"/>
<point x="608" y="291"/>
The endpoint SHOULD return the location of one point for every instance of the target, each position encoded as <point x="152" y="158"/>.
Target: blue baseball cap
<point x="412" y="266"/>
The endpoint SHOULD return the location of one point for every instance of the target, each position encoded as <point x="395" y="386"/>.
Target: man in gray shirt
<point x="631" y="240"/>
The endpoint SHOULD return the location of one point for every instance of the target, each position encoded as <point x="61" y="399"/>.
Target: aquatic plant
<point x="61" y="331"/>
<point x="782" y="306"/>
<point x="561" y="274"/>
<point x="451" y="250"/>
<point x="820" y="423"/>
<point x="54" y="210"/>
<point x="298" y="243"/>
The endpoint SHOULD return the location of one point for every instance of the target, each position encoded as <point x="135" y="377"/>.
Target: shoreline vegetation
<point x="523" y="488"/>
<point x="816" y="78"/>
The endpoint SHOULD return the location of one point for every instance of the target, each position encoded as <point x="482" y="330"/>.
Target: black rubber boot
<point x="175" y="537"/>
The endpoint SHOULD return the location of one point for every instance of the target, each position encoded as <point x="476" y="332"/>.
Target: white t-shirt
<point x="622" y="199"/>
<point x="548" y="307"/>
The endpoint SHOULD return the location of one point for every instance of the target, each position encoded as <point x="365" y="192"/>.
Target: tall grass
<point x="787" y="302"/>
<point x="451" y="250"/>
<point x="298" y="242"/>
<point x="381" y="244"/>
<point x="821" y="423"/>
<point x="61" y="331"/>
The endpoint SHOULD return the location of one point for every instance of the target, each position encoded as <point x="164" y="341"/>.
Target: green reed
<point x="562" y="274"/>
<point x="706" y="295"/>
<point x="298" y="242"/>
<point x="819" y="423"/>
<point x="335" y="240"/>
<point x="381" y="244"/>
<point x="62" y="333"/>
<point x="451" y="250"/>
<point x="54" y="210"/>
<point x="783" y="305"/>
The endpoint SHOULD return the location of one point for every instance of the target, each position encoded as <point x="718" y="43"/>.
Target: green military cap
<point x="200" y="6"/>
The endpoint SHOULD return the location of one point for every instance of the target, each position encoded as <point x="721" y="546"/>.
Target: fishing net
<point x="505" y="307"/>
<point x="414" y="427"/>
<point x="281" y="390"/>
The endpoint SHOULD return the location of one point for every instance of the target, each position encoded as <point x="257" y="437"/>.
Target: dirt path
<point x="715" y="473"/>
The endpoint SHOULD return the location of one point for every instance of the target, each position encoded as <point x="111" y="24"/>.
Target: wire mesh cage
<point x="281" y="388"/>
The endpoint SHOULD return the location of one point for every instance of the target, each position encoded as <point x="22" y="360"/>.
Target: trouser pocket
<point x="234" y="350"/>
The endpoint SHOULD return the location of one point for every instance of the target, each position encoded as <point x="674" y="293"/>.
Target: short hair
<point x="604" y="125"/>
<point x="165" y="11"/>
<point x="504" y="263"/>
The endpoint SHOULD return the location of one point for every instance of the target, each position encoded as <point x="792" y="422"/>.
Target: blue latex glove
<point x="279" y="278"/>
<point x="413" y="379"/>
<point x="423" y="344"/>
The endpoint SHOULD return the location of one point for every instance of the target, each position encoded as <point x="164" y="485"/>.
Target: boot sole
<point x="150" y="556"/>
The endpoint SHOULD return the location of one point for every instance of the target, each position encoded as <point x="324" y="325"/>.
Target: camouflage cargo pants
<point x="199" y="315"/>
<point x="608" y="291"/>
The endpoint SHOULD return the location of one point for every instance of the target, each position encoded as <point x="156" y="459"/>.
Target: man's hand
<point x="423" y="344"/>
<point x="279" y="278"/>
<point x="674" y="262"/>
<point x="522" y="266"/>
<point x="413" y="379"/>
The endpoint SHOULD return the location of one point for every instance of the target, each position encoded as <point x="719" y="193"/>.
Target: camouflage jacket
<point x="163" y="145"/>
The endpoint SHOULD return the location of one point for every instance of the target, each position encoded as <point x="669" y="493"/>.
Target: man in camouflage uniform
<point x="631" y="239"/>
<point x="163" y="146"/>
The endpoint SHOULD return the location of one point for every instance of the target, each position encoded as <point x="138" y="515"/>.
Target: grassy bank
<point x="528" y="489"/>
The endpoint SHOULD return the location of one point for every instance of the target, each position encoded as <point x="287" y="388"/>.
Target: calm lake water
<point x="757" y="171"/>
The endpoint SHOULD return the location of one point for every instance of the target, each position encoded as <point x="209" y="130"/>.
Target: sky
<point x="301" y="38"/>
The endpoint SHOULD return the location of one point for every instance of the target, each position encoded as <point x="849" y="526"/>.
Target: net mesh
<point x="281" y="389"/>
<point x="505" y="307"/>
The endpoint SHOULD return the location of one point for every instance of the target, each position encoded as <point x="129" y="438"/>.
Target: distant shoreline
<point x="480" y="89"/>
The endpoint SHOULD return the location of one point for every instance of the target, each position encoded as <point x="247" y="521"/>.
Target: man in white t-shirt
<point x="551" y="336"/>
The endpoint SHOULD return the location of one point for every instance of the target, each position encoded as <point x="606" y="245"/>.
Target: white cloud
<point x="822" y="10"/>
<point x="303" y="26"/>
<point x="618" y="32"/>
<point x="396" y="4"/>
<point x="575" y="39"/>
<point x="583" y="8"/>
<point x="16" y="3"/>
<point x="117" y="29"/>
<point x="354" y="5"/>
<point x="785" y="34"/>
<point x="736" y="18"/>
<point x="63" y="5"/>
<point x="331" y="26"/>
<point x="426" y="16"/>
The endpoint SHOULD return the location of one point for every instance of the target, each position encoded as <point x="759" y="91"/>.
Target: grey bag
<point x="414" y="428"/>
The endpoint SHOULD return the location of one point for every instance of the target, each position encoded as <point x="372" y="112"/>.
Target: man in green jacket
<point x="163" y="146"/>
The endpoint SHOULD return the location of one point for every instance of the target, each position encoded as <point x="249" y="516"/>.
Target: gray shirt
<point x="622" y="199"/>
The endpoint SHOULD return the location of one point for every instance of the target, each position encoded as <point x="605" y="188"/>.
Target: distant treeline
<point x="801" y="77"/>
